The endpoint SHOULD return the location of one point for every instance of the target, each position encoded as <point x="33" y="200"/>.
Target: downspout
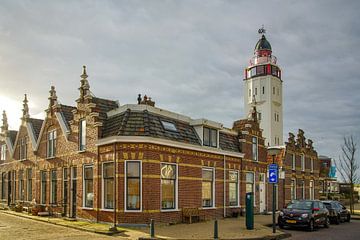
<point x="115" y="179"/>
<point x="224" y="162"/>
<point x="99" y="181"/>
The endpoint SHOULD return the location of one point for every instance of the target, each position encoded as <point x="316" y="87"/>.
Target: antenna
<point x="262" y="30"/>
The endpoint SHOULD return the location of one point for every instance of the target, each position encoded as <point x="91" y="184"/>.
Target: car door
<point x="342" y="210"/>
<point x="323" y="212"/>
<point x="317" y="212"/>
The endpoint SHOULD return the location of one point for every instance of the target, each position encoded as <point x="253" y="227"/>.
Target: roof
<point x="262" y="44"/>
<point x="36" y="124"/>
<point x="145" y="123"/>
<point x="103" y="106"/>
<point x="12" y="135"/>
<point x="67" y="112"/>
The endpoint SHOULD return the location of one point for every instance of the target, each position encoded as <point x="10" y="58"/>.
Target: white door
<point x="262" y="192"/>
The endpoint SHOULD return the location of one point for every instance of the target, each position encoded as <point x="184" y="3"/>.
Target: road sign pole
<point x="273" y="202"/>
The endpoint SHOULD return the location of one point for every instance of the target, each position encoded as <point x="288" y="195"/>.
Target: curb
<point x="68" y="226"/>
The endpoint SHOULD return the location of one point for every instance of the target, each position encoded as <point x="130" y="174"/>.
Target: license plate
<point x="291" y="221"/>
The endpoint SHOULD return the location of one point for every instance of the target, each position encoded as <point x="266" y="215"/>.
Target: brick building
<point x="145" y="162"/>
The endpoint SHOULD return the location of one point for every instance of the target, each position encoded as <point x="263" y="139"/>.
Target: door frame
<point x="262" y="196"/>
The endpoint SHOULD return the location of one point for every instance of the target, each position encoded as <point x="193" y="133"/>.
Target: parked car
<point x="337" y="212"/>
<point x="304" y="213"/>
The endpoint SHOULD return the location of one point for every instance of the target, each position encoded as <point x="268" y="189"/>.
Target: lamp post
<point x="273" y="151"/>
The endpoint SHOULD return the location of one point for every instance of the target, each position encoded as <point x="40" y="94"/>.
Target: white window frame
<point x="311" y="165"/>
<point x="311" y="190"/>
<point x="213" y="187"/>
<point x="83" y="184"/>
<point x="22" y="148"/>
<point x="293" y="161"/>
<point x="238" y="189"/>
<point x="125" y="189"/>
<point x="257" y="148"/>
<point x="102" y="188"/>
<point x="254" y="190"/>
<point x="302" y="162"/>
<point x="82" y="135"/>
<point x="3" y="152"/>
<point x="176" y="190"/>
<point x="52" y="133"/>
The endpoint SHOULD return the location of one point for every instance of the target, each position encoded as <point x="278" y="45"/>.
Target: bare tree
<point x="347" y="166"/>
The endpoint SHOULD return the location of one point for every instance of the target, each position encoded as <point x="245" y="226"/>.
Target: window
<point x="260" y="70"/>
<point x="293" y="160"/>
<point x="133" y="185"/>
<point x="88" y="186"/>
<point x="233" y="188"/>
<point x="250" y="182"/>
<point x="168" y="186"/>
<point x="207" y="187"/>
<point x="274" y="90"/>
<point x="255" y="91"/>
<point x="302" y="189"/>
<point x="210" y="137"/>
<point x="82" y="135"/>
<point x="302" y="162"/>
<point x="169" y="126"/>
<point x="255" y="148"/>
<point x="53" y="186"/>
<point x="43" y="187"/>
<point x="21" y="185"/>
<point x="108" y="185"/>
<point x="3" y="152"/>
<point x="311" y="189"/>
<point x="3" y="177"/>
<point x="51" y="144"/>
<point x="23" y="148"/>
<point x="29" y="184"/>
<point x="259" y="116"/>
<point x="253" y="71"/>
<point x="249" y="93"/>
<point x="263" y="90"/>
<point x="293" y="189"/>
<point x="311" y="165"/>
<point x="65" y="188"/>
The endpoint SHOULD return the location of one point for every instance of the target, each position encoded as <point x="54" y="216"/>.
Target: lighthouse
<point x="263" y="89"/>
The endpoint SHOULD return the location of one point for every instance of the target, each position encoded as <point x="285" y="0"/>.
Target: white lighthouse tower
<point x="263" y="87"/>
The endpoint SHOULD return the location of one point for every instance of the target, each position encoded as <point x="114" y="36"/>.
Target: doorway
<point x="73" y="182"/>
<point x="262" y="191"/>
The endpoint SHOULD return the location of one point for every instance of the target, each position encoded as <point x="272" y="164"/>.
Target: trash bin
<point x="249" y="211"/>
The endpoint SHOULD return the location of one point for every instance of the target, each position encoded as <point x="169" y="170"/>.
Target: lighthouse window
<point x="255" y="91"/>
<point x="260" y="70"/>
<point x="263" y="90"/>
<point x="249" y="92"/>
<point x="253" y="71"/>
<point x="274" y="90"/>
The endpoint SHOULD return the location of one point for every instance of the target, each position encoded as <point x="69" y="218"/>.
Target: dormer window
<point x="169" y="126"/>
<point x="210" y="137"/>
<point x="3" y="152"/>
<point x="22" y="148"/>
<point x="51" y="144"/>
<point x="82" y="135"/>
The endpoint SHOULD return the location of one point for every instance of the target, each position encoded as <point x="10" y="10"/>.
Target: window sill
<point x="133" y="211"/>
<point x="88" y="208"/>
<point x="49" y="158"/>
<point x="81" y="151"/>
<point x="169" y="210"/>
<point x="234" y="206"/>
<point x="207" y="208"/>
<point x="106" y="210"/>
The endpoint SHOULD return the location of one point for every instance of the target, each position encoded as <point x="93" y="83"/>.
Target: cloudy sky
<point x="188" y="56"/>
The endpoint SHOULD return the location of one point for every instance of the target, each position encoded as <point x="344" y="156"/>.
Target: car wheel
<point x="348" y="218"/>
<point x="311" y="225"/>
<point x="337" y="220"/>
<point x="281" y="226"/>
<point x="327" y="222"/>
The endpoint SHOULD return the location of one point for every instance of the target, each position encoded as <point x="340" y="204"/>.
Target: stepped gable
<point x="36" y="124"/>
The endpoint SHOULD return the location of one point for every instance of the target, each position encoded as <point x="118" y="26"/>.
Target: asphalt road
<point x="343" y="231"/>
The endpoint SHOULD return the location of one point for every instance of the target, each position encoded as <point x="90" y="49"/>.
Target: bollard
<point x="152" y="229"/>
<point x="216" y="232"/>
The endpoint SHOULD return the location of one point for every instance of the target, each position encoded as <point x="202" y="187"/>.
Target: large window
<point x="88" y="186"/>
<point x="293" y="160"/>
<point x="51" y="144"/>
<point x="302" y="162"/>
<point x="208" y="187"/>
<point x="255" y="148"/>
<point x="23" y="148"/>
<point x="82" y="135"/>
<point x="43" y="187"/>
<point x="53" y="198"/>
<point x="293" y="189"/>
<point x="233" y="188"/>
<point x="311" y="190"/>
<point x="21" y="185"/>
<point x="168" y="186"/>
<point x="250" y="180"/>
<point x="210" y="137"/>
<point x="133" y="185"/>
<point x="3" y="152"/>
<point x="29" y="184"/>
<point x="108" y="182"/>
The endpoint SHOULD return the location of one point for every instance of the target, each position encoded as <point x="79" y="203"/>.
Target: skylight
<point x="169" y="126"/>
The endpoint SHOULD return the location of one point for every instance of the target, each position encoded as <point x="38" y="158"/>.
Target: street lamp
<point x="273" y="151"/>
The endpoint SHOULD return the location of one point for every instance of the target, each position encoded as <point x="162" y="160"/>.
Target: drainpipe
<point x="224" y="161"/>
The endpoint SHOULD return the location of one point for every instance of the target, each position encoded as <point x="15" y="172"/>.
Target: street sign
<point x="273" y="173"/>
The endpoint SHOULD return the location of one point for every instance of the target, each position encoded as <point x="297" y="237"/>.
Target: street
<point x="343" y="231"/>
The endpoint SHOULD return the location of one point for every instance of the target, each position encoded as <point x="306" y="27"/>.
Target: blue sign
<point x="273" y="173"/>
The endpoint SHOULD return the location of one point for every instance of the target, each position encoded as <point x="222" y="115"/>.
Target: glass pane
<point x="89" y="194"/>
<point x="168" y="171"/>
<point x="249" y="187"/>
<point x="213" y="138"/>
<point x="133" y="169"/>
<point x="206" y="136"/>
<point x="207" y="174"/>
<point x="169" y="126"/>
<point x="167" y="194"/>
<point x="108" y="193"/>
<point x="233" y="176"/>
<point x="88" y="172"/>
<point x="133" y="194"/>
<point x="207" y="194"/>
<point x="250" y="177"/>
<point x="108" y="170"/>
<point x="233" y="194"/>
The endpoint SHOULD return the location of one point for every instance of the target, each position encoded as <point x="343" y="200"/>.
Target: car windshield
<point x="300" y="205"/>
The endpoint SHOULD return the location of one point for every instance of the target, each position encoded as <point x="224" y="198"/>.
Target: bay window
<point x="168" y="186"/>
<point x="108" y="185"/>
<point x="133" y="185"/>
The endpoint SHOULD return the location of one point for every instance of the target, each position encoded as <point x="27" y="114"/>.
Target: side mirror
<point x="343" y="208"/>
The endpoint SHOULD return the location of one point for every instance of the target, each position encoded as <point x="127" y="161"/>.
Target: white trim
<point x="311" y="190"/>
<point x="31" y="133"/>
<point x="293" y="161"/>
<point x="176" y="189"/>
<point x="138" y="139"/>
<point x="257" y="148"/>
<point x="40" y="134"/>
<point x="213" y="206"/>
<point x="64" y="127"/>
<point x="83" y="185"/>
<point x="125" y="187"/>
<point x="302" y="157"/>
<point x="311" y="165"/>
